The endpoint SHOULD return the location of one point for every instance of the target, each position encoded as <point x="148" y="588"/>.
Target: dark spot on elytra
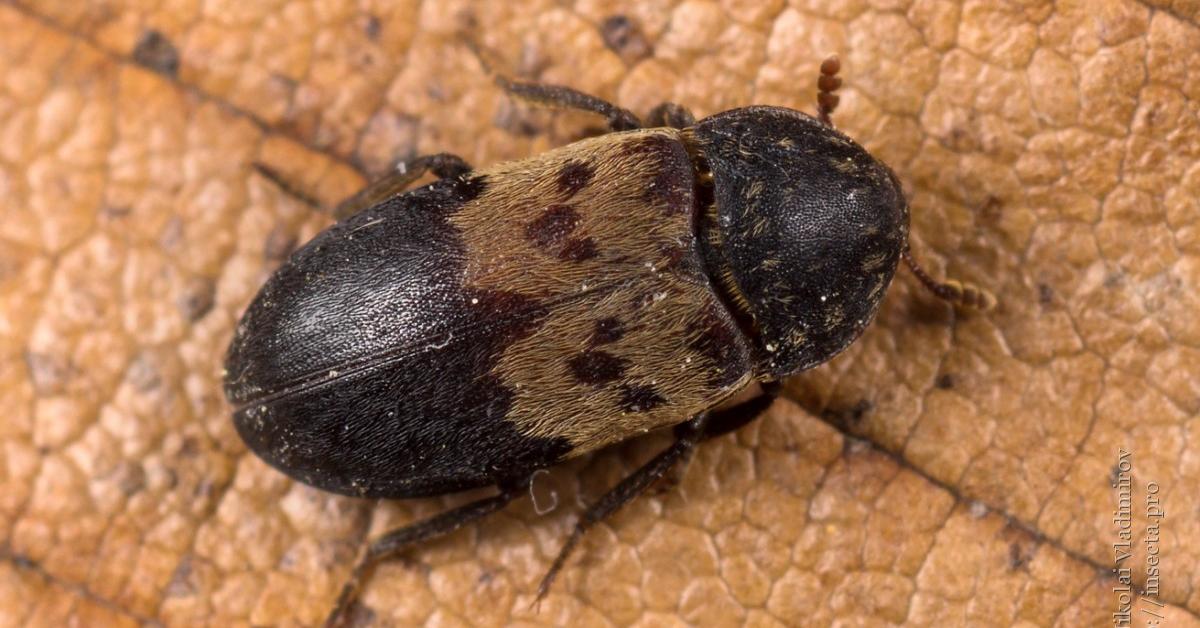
<point x="156" y="52"/>
<point x="945" y="381"/>
<point x="574" y="176"/>
<point x="597" y="367"/>
<point x="551" y="229"/>
<point x="469" y="188"/>
<point x="608" y="329"/>
<point x="677" y="260"/>
<point x="716" y="338"/>
<point x="671" y="253"/>
<point x="521" y="315"/>
<point x="669" y="191"/>
<point x="578" y="250"/>
<point x="640" y="398"/>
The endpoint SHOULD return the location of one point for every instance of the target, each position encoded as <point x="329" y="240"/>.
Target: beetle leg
<point x="403" y="174"/>
<point x="731" y="419"/>
<point x="396" y="541"/>
<point x="560" y="97"/>
<point x="557" y="96"/>
<point x="967" y="295"/>
<point x="828" y="84"/>
<point x="689" y="434"/>
<point x="671" y="115"/>
<point x="720" y="423"/>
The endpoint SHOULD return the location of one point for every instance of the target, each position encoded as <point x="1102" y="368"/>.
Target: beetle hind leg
<point x="396" y="541"/>
<point x="402" y="175"/>
<point x="827" y="86"/>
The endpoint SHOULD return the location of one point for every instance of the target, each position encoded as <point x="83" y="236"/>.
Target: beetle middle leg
<point x="720" y="423"/>
<point x="704" y="426"/>
<point x="396" y="541"/>
<point x="402" y="175"/>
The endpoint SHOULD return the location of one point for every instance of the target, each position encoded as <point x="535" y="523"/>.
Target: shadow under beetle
<point x="498" y="321"/>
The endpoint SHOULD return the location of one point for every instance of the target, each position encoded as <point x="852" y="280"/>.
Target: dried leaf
<point x="950" y="468"/>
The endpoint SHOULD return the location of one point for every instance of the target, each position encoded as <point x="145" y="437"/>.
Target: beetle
<point x="498" y="321"/>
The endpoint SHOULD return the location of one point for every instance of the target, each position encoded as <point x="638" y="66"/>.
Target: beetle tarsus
<point x="402" y="175"/>
<point x="396" y="541"/>
<point x="967" y="295"/>
<point x="828" y="84"/>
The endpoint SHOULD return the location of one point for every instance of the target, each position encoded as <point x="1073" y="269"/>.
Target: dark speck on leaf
<point x="372" y="26"/>
<point x="1045" y="294"/>
<point x="848" y="416"/>
<point x="623" y="37"/>
<point x="157" y="53"/>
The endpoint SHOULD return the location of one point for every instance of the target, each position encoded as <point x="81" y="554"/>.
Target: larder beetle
<point x="498" y="321"/>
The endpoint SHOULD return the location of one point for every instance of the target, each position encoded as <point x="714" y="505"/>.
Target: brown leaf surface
<point x="949" y="468"/>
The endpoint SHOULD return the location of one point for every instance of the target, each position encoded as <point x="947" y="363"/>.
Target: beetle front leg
<point x="402" y="175"/>
<point x="394" y="542"/>
<point x="558" y="96"/>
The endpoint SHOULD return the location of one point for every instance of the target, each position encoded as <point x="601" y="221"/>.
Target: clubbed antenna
<point x="966" y="295"/>
<point x="828" y="84"/>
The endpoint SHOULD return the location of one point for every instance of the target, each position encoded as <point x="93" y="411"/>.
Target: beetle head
<point x="808" y="231"/>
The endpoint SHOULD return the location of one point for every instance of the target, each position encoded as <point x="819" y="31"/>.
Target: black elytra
<point x="445" y="338"/>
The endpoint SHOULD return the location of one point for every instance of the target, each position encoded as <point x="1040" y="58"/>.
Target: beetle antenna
<point x="827" y="85"/>
<point x="967" y="295"/>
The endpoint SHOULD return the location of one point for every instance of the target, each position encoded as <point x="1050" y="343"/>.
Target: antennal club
<point x="828" y="84"/>
<point x="966" y="295"/>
